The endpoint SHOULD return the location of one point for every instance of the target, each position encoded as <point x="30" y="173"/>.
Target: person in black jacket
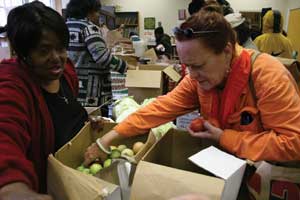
<point x="196" y="5"/>
<point x="163" y="43"/>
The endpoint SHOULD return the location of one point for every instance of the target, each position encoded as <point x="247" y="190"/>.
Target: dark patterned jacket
<point x="93" y="62"/>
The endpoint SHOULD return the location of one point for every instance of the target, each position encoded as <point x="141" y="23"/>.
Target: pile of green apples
<point x="116" y="152"/>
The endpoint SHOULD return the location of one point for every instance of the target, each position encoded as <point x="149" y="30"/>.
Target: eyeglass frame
<point x="190" y="33"/>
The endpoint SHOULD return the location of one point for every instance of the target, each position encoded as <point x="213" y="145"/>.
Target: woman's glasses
<point x="190" y="33"/>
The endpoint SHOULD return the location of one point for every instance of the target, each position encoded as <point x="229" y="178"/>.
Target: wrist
<point x="218" y="136"/>
<point x="102" y="147"/>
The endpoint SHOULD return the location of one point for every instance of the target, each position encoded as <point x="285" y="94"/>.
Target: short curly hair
<point x="79" y="9"/>
<point x="26" y="23"/>
<point x="211" y="20"/>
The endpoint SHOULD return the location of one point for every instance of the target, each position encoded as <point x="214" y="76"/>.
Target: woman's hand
<point x="93" y="152"/>
<point x="211" y="132"/>
<point x="97" y="122"/>
<point x="20" y="191"/>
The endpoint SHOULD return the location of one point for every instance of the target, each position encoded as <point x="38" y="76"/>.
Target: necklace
<point x="62" y="96"/>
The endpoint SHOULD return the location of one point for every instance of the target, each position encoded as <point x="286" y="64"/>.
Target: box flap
<point x="147" y="145"/>
<point x="67" y="183"/>
<point x="117" y="173"/>
<point x="152" y="181"/>
<point x="217" y="162"/>
<point x="71" y="154"/>
<point x="143" y="79"/>
<point x="93" y="110"/>
<point x="155" y="67"/>
<point x="172" y="73"/>
<point x="150" y="53"/>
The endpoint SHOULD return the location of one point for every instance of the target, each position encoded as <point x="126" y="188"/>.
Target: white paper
<point x="217" y="162"/>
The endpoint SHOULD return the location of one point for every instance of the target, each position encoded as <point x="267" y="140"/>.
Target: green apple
<point x="95" y="168"/>
<point x="115" y="153"/>
<point x="127" y="152"/>
<point x="80" y="168"/>
<point x="107" y="163"/>
<point x="113" y="147"/>
<point x="86" y="171"/>
<point x="121" y="147"/>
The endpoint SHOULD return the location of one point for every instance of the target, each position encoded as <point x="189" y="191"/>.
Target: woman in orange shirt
<point x="261" y="126"/>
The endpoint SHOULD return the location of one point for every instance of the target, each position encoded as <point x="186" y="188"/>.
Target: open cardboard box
<point x="129" y="58"/>
<point x="64" y="182"/>
<point x="149" y="81"/>
<point x="166" y="172"/>
<point x="93" y="110"/>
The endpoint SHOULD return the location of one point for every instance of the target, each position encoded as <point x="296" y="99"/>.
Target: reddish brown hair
<point x="209" y="19"/>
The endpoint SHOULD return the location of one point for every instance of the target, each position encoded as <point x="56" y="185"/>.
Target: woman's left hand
<point x="211" y="132"/>
<point x="97" y="122"/>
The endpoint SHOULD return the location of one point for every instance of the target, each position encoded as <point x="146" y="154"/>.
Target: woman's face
<point x="208" y="68"/>
<point x="48" y="58"/>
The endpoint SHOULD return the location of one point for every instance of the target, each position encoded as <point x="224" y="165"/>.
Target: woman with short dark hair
<point x="38" y="90"/>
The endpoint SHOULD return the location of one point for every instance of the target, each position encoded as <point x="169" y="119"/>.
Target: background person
<point x="264" y="126"/>
<point x="195" y="6"/>
<point x="272" y="41"/>
<point x="93" y="60"/>
<point x="242" y="29"/>
<point x="163" y="45"/>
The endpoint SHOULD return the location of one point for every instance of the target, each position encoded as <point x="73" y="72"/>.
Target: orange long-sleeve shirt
<point x="273" y="135"/>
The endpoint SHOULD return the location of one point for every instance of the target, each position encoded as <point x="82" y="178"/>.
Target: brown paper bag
<point x="275" y="182"/>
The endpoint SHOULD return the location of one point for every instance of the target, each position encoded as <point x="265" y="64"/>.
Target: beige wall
<point x="293" y="4"/>
<point x="166" y="10"/>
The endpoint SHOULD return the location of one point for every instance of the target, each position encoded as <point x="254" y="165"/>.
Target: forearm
<point x="109" y="137"/>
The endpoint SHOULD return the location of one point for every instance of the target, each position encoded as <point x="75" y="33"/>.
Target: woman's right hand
<point x="93" y="152"/>
<point x="20" y="191"/>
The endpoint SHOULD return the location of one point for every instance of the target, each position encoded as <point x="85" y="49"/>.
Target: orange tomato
<point x="197" y="124"/>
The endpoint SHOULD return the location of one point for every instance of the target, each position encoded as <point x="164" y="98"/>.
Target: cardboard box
<point x="166" y="172"/>
<point x="93" y="110"/>
<point x="149" y="81"/>
<point x="129" y="58"/>
<point x="64" y="182"/>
